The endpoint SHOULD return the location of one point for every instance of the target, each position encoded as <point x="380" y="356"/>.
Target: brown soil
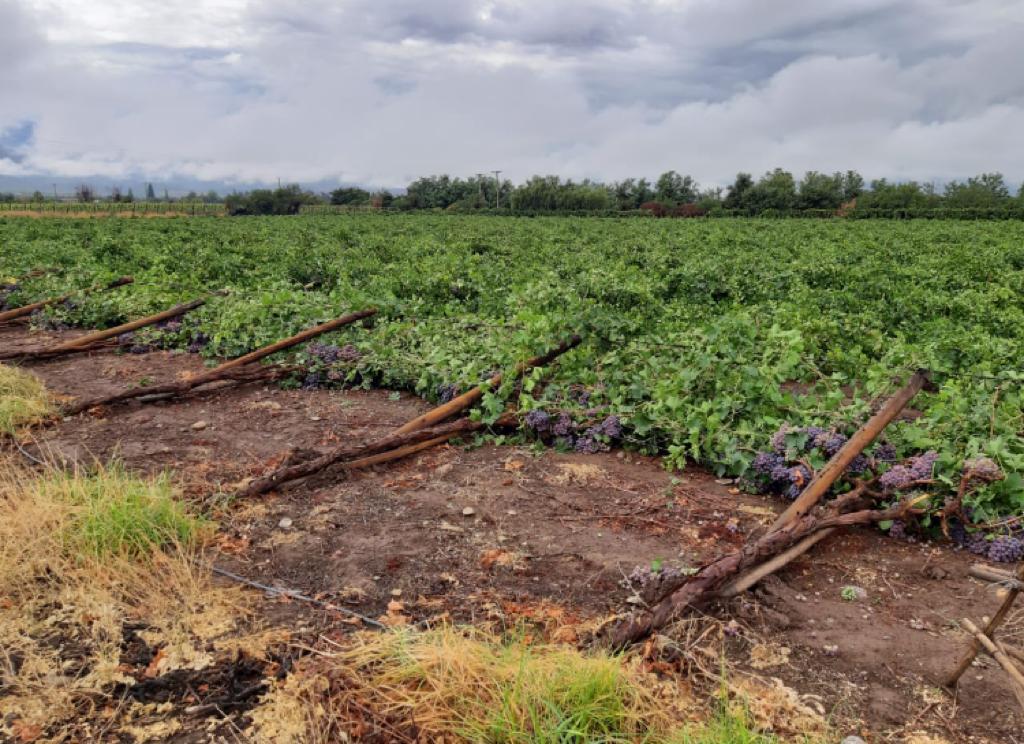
<point x="509" y="532"/>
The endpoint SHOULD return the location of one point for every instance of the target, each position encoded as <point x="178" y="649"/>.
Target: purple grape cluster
<point x="977" y="543"/>
<point x="916" y="468"/>
<point x="198" y="343"/>
<point x="898" y="530"/>
<point x="885" y="452"/>
<point x="311" y="381"/>
<point x="564" y="426"/>
<point x="799" y="477"/>
<point x="579" y="394"/>
<point x="326" y="353"/>
<point x="566" y="431"/>
<point x="772" y="474"/>
<point x="446" y="391"/>
<point x="6" y="290"/>
<point x="538" y="421"/>
<point x="1006" y="549"/>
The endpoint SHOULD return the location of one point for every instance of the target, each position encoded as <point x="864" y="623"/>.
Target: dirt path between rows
<point x="498" y="530"/>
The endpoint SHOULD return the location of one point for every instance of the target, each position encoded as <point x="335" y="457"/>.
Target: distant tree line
<point x="777" y="192"/>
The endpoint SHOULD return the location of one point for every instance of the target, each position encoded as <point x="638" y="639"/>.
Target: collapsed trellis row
<point x="802" y="525"/>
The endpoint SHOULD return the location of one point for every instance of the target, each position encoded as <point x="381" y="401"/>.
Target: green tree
<point x="985" y="190"/>
<point x="735" y="195"/>
<point x="853" y="185"/>
<point x="150" y="193"/>
<point x="672" y="188"/>
<point x="350" y="196"/>
<point x="776" y="190"/>
<point x="819" y="191"/>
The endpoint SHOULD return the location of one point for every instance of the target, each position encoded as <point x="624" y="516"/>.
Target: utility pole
<point x="480" y="183"/>
<point x="497" y="189"/>
<point x="55" y="192"/>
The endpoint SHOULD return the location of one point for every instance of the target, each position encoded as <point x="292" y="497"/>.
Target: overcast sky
<point x="378" y="92"/>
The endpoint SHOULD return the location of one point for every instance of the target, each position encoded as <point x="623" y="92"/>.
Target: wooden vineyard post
<point x="92" y="338"/>
<point x="21" y="312"/>
<point x="224" y="370"/>
<point x="823" y="481"/>
<point x="990" y="628"/>
<point x="835" y="467"/>
<point x="1016" y="676"/>
<point x="408" y="438"/>
<point x="287" y="343"/>
<point x="390" y="447"/>
<point x="464" y="401"/>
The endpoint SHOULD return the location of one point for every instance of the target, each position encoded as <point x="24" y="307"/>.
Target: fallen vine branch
<point x="21" y="312"/>
<point x="221" y="372"/>
<point x="95" y="340"/>
<point x="702" y="586"/>
<point x="394" y="446"/>
<point x="823" y="481"/>
<point x="464" y="401"/>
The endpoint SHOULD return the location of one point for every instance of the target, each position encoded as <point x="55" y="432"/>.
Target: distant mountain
<point x="177" y="186"/>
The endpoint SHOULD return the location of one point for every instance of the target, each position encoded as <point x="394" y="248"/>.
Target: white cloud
<point x="380" y="92"/>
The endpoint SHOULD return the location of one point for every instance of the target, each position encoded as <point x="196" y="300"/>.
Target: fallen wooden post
<point x="864" y="436"/>
<point x="20" y="312"/>
<point x="464" y="401"/>
<point x="704" y="585"/>
<point x="990" y="628"/>
<point x="1016" y="676"/>
<point x="750" y="578"/>
<point x="95" y="340"/>
<point x="393" y="446"/>
<point x="995" y="575"/>
<point x="823" y="481"/>
<point x="220" y="372"/>
<point x="149" y="320"/>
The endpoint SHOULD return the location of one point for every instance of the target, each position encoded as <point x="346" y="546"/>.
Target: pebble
<point x="314" y="418"/>
<point x="199" y="425"/>
<point x="285" y="523"/>
<point x="852" y="740"/>
<point x="396" y="592"/>
<point x="469" y="511"/>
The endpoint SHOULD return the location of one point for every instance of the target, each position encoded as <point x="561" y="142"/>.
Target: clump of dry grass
<point x="23" y="399"/>
<point x="466" y="685"/>
<point x="81" y="555"/>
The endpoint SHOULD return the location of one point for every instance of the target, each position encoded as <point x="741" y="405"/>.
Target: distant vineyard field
<point x="702" y="336"/>
<point x="195" y="209"/>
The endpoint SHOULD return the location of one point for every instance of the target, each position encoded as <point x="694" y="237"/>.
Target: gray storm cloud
<point x="381" y="92"/>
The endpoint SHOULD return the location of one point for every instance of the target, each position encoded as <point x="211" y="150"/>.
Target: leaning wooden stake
<point x="222" y="371"/>
<point x="391" y="447"/>
<point x="96" y="340"/>
<point x="464" y="401"/>
<point x="750" y="578"/>
<point x="91" y="338"/>
<point x="1016" y="677"/>
<point x="835" y="467"/>
<point x="990" y="628"/>
<point x="708" y="581"/>
<point x="20" y="312"/>
<point x="823" y="481"/>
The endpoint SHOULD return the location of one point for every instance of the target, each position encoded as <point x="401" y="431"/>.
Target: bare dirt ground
<point x="509" y="532"/>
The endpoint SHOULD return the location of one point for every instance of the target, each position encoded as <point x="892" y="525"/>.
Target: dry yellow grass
<point x="81" y="555"/>
<point x="23" y="399"/>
